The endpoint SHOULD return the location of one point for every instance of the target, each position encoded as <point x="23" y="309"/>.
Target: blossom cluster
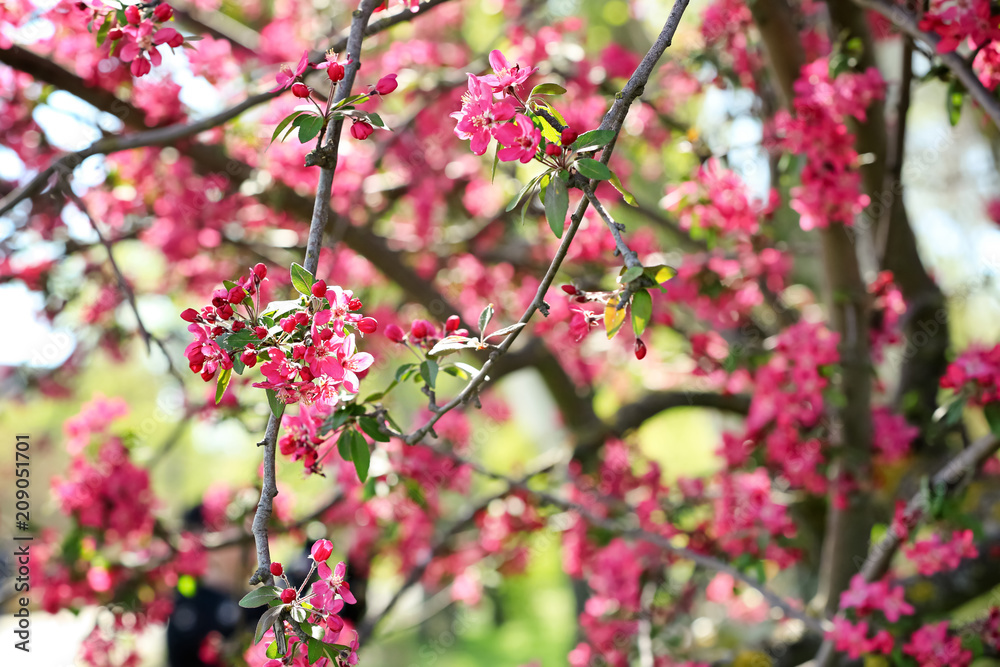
<point x="888" y="308"/>
<point x="490" y="111"/>
<point x="975" y="373"/>
<point x="817" y="130"/>
<point x="937" y="555"/>
<point x="957" y="22"/>
<point x="135" y="40"/>
<point x="306" y="348"/>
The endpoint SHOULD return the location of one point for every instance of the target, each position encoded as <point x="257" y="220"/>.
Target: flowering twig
<point x="907" y="22"/>
<point x="613" y="121"/>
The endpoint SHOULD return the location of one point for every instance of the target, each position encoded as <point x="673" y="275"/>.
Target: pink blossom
<point x="286" y="77"/>
<point x="932" y="555"/>
<point x="480" y="116"/>
<point x="521" y="139"/>
<point x="505" y="75"/>
<point x="931" y="645"/>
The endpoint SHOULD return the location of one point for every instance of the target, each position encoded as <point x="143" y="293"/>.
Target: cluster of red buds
<point x="424" y="334"/>
<point x="135" y="32"/>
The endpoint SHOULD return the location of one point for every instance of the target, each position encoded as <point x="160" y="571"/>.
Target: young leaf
<point x="283" y="124"/>
<point x="404" y="372"/>
<point x="992" y="413"/>
<point x="371" y="427"/>
<point x="277" y="407"/>
<point x="360" y="454"/>
<point x="496" y="161"/>
<point x="225" y="375"/>
<point x="272" y="651"/>
<point x="626" y="195"/>
<point x="485" y="317"/>
<point x="450" y="344"/>
<point x="525" y="190"/>
<point x="376" y="121"/>
<point x="592" y="169"/>
<point x="556" y="205"/>
<point x="593" y="139"/>
<point x="259" y="597"/>
<point x="429" y="372"/>
<point x="548" y="89"/>
<point x="614" y="316"/>
<point x="302" y="280"/>
<point x="506" y="330"/>
<point x="642" y="311"/>
<point x="630" y="274"/>
<point x="660" y="273"/>
<point x="266" y="621"/>
<point x="309" y="128"/>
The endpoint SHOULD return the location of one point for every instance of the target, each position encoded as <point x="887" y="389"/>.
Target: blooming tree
<point x="352" y="296"/>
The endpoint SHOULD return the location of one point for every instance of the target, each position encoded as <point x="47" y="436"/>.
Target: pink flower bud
<point x="288" y="595"/>
<point x="300" y="89"/>
<point x="260" y="271"/>
<point x="239" y="326"/>
<point x="452" y="323"/>
<point x="640" y="349"/>
<point x="299" y="352"/>
<point x="163" y="13"/>
<point x="361" y="130"/>
<point x="287" y="324"/>
<point x="326" y="334"/>
<point x="140" y="66"/>
<point x="190" y="315"/>
<point x="460" y="332"/>
<point x="132" y="15"/>
<point x="394" y="333"/>
<point x="220" y="296"/>
<point x="569" y="289"/>
<point x="175" y="40"/>
<point x="225" y="311"/>
<point x="419" y="329"/>
<point x="302" y="318"/>
<point x="260" y="332"/>
<point x="354" y="304"/>
<point x="276" y="569"/>
<point x="249" y="357"/>
<point x="321" y="550"/>
<point x="386" y="84"/>
<point x="319" y="289"/>
<point x="552" y="149"/>
<point x="306" y="374"/>
<point x="236" y="295"/>
<point x="115" y="33"/>
<point x="368" y="325"/>
<point x="335" y="71"/>
<point x="568" y="136"/>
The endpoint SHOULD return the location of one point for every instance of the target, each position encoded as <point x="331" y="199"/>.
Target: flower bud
<point x="260" y="271"/>
<point x="394" y="333"/>
<point x="132" y="15"/>
<point x="319" y="289"/>
<point x="300" y="89"/>
<point x="249" y="357"/>
<point x="335" y="71"/>
<point x="452" y="323"/>
<point x="115" y="33"/>
<point x="306" y="374"/>
<point x="288" y="595"/>
<point x="236" y="295"/>
<point x="386" y="84"/>
<point x="302" y="318"/>
<point x="321" y="550"/>
<point x="419" y="329"/>
<point x="568" y="136"/>
<point x="354" y="304"/>
<point x="569" y="289"/>
<point x="552" y="150"/>
<point x="368" y="325"/>
<point x="238" y="325"/>
<point x="361" y="130"/>
<point x="163" y="13"/>
<point x="260" y="332"/>
<point x="190" y="315"/>
<point x="140" y="67"/>
<point x="225" y="311"/>
<point x="325" y="334"/>
<point x="175" y="40"/>
<point x="287" y="324"/>
<point x="640" y="349"/>
<point x="276" y="569"/>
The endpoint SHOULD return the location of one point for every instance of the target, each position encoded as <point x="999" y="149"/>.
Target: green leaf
<point x="405" y="371"/>
<point x="548" y="89"/>
<point x="376" y="120"/>
<point x="549" y="132"/>
<point x="302" y="280"/>
<point x="496" y="161"/>
<point x="593" y="169"/>
<point x="259" y="597"/>
<point x="626" y="195"/>
<point x="485" y="317"/>
<point x="660" y="273"/>
<point x="225" y="375"/>
<point x="429" y="372"/>
<point x="320" y="649"/>
<point x="371" y="427"/>
<point x="506" y="330"/>
<point x="630" y="274"/>
<point x="450" y="344"/>
<point x="269" y="618"/>
<point x="593" y="139"/>
<point x="277" y="407"/>
<point x="360" y="454"/>
<point x="642" y="311"/>
<point x="283" y="124"/>
<point x="954" y="98"/>
<point x="234" y="342"/>
<point x="102" y="34"/>
<point x="525" y="190"/>
<point x="309" y="128"/>
<point x="272" y="651"/>
<point x="556" y="205"/>
<point x="344" y="445"/>
<point x="992" y="413"/>
<point x="239" y="366"/>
